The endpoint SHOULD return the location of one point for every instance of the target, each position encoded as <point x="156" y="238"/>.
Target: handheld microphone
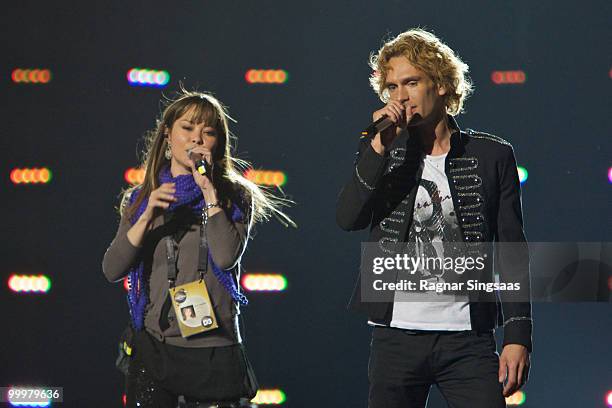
<point x="381" y="124"/>
<point x="201" y="164"/>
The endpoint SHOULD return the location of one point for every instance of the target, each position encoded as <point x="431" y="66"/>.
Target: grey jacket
<point x="226" y="240"/>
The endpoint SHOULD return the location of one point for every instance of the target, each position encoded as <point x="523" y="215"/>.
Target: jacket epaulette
<point x="488" y="136"/>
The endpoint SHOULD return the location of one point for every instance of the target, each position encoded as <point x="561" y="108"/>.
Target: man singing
<point x="424" y="180"/>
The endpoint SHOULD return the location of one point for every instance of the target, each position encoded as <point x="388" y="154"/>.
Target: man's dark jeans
<point x="405" y="363"/>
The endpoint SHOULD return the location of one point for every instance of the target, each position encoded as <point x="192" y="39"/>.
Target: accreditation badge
<point x="193" y="308"/>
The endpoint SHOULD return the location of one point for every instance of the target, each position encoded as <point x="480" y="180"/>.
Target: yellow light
<point x="518" y="398"/>
<point x="256" y="282"/>
<point x="31" y="76"/>
<point x="266" y="177"/>
<point x="266" y="76"/>
<point x="134" y="176"/>
<point x="29" y="283"/>
<point x="269" y="397"/>
<point x="30" y="176"/>
<point x="45" y="175"/>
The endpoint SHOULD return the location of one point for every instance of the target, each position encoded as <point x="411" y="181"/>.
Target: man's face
<point x="414" y="89"/>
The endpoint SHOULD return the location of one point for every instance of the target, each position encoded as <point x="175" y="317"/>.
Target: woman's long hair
<point x="227" y="176"/>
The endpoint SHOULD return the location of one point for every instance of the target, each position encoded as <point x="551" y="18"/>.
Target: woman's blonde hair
<point x="227" y="176"/>
<point x="429" y="54"/>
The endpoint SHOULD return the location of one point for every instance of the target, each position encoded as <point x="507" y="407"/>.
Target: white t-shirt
<point x="434" y="220"/>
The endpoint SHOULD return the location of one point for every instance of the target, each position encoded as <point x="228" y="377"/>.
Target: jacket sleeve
<point x="227" y="238"/>
<point x="354" y="205"/>
<point x="120" y="255"/>
<point x="512" y="256"/>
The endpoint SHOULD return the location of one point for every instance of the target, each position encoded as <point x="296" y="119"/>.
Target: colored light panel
<point x="266" y="177"/>
<point x="269" y="397"/>
<point x="508" y="77"/>
<point x="260" y="282"/>
<point x="29" y="283"/>
<point x="523" y="174"/>
<point x="266" y="76"/>
<point x="126" y="284"/>
<point x="31" y="176"/>
<point x="30" y="404"/>
<point x="31" y="76"/>
<point x="124" y="399"/>
<point x="609" y="398"/>
<point x="134" y="175"/>
<point x="518" y="398"/>
<point x="148" y="77"/>
<point x="610" y="174"/>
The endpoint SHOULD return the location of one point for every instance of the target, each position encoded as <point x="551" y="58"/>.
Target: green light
<point x="523" y="174"/>
<point x="283" y="287"/>
<point x="47" y="285"/>
<point x="283" y="397"/>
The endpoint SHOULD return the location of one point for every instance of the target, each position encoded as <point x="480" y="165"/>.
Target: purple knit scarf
<point x="188" y="193"/>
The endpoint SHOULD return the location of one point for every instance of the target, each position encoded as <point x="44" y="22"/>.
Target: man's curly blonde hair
<point x="429" y="54"/>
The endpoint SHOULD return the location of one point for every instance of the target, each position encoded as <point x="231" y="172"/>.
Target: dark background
<point x="86" y="123"/>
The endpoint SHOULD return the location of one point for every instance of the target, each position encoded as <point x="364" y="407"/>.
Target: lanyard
<point x="172" y="245"/>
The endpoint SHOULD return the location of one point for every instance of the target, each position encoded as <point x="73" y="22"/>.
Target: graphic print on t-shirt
<point x="434" y="219"/>
<point x="434" y="222"/>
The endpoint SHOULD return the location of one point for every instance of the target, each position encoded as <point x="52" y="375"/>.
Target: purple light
<point x="147" y="77"/>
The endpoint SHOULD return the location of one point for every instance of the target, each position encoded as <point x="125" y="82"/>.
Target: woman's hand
<point x="204" y="182"/>
<point x="159" y="200"/>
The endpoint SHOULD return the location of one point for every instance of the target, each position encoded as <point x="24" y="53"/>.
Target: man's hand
<point x="395" y="111"/>
<point x="513" y="367"/>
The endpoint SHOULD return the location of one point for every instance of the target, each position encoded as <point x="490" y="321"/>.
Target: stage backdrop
<point x="295" y="77"/>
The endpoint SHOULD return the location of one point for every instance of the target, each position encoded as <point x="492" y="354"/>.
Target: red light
<point x="134" y="175"/>
<point x="508" y="77"/>
<point x="33" y="76"/>
<point x="266" y="76"/>
<point x="14" y="176"/>
<point x="30" y="176"/>
<point x="45" y="76"/>
<point x="248" y="76"/>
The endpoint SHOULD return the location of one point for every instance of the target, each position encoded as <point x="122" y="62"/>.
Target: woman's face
<point x="185" y="135"/>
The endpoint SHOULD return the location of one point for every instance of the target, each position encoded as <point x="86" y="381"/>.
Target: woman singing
<point x="180" y="239"/>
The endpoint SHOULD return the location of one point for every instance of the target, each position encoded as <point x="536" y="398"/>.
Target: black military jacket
<point x="485" y="190"/>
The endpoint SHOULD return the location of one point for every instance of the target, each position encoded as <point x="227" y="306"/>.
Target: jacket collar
<point x="457" y="140"/>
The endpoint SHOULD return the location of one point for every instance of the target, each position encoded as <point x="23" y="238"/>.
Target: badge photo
<point x="193" y="308"/>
